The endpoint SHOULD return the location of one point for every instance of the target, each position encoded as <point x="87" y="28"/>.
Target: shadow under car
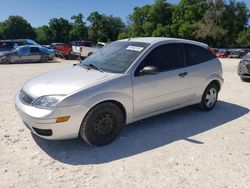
<point x="144" y="135"/>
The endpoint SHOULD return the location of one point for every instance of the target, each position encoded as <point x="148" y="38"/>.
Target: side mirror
<point x="149" y="70"/>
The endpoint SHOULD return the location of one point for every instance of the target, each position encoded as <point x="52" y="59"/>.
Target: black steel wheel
<point x="102" y="124"/>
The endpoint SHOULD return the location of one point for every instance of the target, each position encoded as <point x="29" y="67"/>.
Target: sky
<point x="39" y="12"/>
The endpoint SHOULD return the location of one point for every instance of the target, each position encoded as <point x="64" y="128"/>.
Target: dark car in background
<point x="24" y="54"/>
<point x="236" y="54"/>
<point x="244" y="68"/>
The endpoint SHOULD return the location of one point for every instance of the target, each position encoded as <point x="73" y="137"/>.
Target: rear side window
<point x="34" y="50"/>
<point x="196" y="54"/>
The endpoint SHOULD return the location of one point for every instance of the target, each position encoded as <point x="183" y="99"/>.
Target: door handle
<point x="183" y="74"/>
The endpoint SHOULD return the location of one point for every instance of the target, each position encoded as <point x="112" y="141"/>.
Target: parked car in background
<point x="236" y="54"/>
<point x="85" y="48"/>
<point x="64" y="51"/>
<point x="23" y="54"/>
<point x="50" y="52"/>
<point x="126" y="81"/>
<point x="6" y="45"/>
<point x="222" y="54"/>
<point x="54" y="45"/>
<point x="216" y="50"/>
<point x="244" y="68"/>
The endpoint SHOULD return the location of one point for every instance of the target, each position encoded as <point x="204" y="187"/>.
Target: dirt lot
<point x="184" y="148"/>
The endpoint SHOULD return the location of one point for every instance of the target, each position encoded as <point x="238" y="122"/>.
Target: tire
<point x="5" y="60"/>
<point x="245" y="79"/>
<point x="209" y="97"/>
<point x="102" y="124"/>
<point x="44" y="59"/>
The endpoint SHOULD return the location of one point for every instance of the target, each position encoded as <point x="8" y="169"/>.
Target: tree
<point x="185" y="14"/>
<point x="44" y="35"/>
<point x="222" y="23"/>
<point x="209" y="32"/>
<point x="79" y="29"/>
<point x="115" y="27"/>
<point x="104" y="28"/>
<point x="145" y="21"/>
<point x="244" y="38"/>
<point x="60" y="29"/>
<point x="16" y="27"/>
<point x="234" y="20"/>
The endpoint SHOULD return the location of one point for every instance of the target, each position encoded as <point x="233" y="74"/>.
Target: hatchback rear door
<point x="201" y="64"/>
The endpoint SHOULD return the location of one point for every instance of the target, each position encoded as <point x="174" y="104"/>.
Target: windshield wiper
<point x="94" y="66"/>
<point x="82" y="65"/>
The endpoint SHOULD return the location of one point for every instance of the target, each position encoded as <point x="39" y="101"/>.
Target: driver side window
<point x="23" y="51"/>
<point x="165" y="57"/>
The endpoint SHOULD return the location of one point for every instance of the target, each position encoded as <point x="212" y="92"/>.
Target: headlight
<point x="47" y="102"/>
<point x="245" y="62"/>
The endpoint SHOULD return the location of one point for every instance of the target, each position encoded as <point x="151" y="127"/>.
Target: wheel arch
<point x="113" y="101"/>
<point x="217" y="83"/>
<point x="216" y="79"/>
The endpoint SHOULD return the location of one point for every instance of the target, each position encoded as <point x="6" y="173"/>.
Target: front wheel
<point x="245" y="79"/>
<point x="209" y="97"/>
<point x="102" y="124"/>
<point x="44" y="59"/>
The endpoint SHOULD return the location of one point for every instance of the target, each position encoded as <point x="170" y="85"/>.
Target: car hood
<point x="65" y="81"/>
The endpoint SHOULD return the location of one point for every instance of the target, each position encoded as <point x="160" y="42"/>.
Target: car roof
<point x="154" y="40"/>
<point x="28" y="46"/>
<point x="14" y="40"/>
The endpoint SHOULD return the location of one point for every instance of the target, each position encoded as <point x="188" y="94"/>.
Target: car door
<point x="21" y="55"/>
<point x="199" y="65"/>
<point x="168" y="88"/>
<point x="35" y="54"/>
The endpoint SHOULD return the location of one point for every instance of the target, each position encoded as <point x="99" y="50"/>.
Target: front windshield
<point x="31" y="42"/>
<point x="116" y="57"/>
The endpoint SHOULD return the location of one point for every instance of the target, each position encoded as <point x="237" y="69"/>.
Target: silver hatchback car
<point x="126" y="81"/>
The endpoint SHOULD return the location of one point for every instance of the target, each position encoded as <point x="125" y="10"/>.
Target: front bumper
<point x="51" y="56"/>
<point x="244" y="70"/>
<point x="42" y="122"/>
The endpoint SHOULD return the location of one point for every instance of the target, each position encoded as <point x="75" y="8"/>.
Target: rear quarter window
<point x="196" y="54"/>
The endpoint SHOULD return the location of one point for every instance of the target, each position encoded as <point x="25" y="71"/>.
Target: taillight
<point x="211" y="50"/>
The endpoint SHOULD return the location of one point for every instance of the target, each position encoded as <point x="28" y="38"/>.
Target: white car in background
<point x="126" y="81"/>
<point x="85" y="48"/>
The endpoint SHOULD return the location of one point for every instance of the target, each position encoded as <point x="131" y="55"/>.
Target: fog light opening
<point x="62" y="119"/>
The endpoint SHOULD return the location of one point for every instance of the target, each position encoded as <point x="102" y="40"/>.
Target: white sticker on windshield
<point x="135" y="48"/>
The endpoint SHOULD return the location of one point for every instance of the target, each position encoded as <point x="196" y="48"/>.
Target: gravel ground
<point x="184" y="148"/>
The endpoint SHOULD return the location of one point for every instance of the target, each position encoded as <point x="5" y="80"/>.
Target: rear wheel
<point x="5" y="60"/>
<point x="102" y="124"/>
<point x="209" y="97"/>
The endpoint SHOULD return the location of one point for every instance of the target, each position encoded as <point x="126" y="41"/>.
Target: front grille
<point x="25" y="98"/>
<point x="43" y="132"/>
